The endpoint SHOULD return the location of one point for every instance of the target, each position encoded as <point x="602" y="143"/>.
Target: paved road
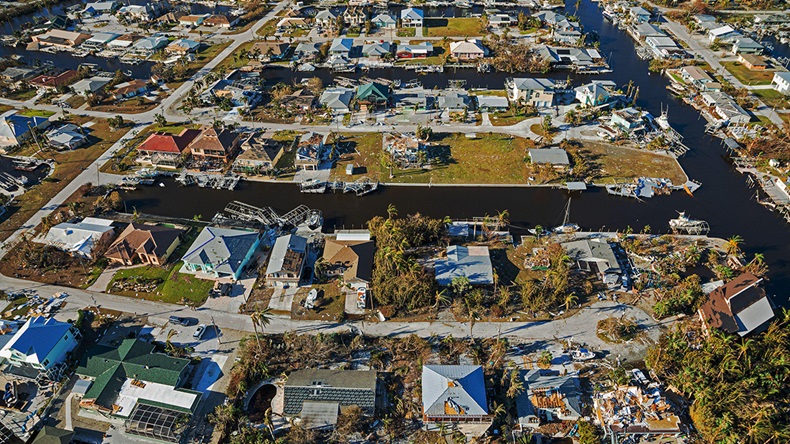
<point x="581" y="326"/>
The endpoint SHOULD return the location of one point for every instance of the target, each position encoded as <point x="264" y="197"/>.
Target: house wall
<point x="55" y="356"/>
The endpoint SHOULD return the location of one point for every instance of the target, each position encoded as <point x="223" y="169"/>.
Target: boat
<point x="315" y="219"/>
<point x="582" y="354"/>
<point x="566" y="227"/>
<point x="314" y="186"/>
<point x="686" y="225"/>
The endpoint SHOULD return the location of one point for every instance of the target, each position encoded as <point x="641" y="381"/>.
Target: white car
<point x="200" y="331"/>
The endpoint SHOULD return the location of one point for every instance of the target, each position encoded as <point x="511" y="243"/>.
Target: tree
<point x="160" y="119"/>
<point x="570" y="299"/>
<point x="545" y="358"/>
<point x="116" y="122"/>
<point x="315" y="85"/>
<point x="260" y="318"/>
<point x="733" y="245"/>
<point x="460" y="284"/>
<point x="424" y="133"/>
<point x="392" y="211"/>
<point x="588" y="433"/>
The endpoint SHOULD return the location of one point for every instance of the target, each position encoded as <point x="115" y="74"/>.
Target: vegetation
<point x="685" y="297"/>
<point x="453" y="27"/>
<point x="170" y="285"/>
<point x="748" y="76"/>
<point x="738" y="385"/>
<point x="617" y="330"/>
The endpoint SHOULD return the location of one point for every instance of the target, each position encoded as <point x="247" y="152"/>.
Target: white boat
<point x="687" y="225"/>
<point x="566" y="227"/>
<point x="315" y="219"/>
<point x="582" y="354"/>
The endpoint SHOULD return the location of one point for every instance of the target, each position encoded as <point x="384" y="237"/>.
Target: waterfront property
<point x="221" y="253"/>
<point x="414" y="51"/>
<point x="310" y="151"/>
<point x="472" y="262"/>
<point x="537" y="92"/>
<point x="453" y="394"/>
<point x="60" y="38"/>
<point x="404" y="148"/>
<point x="86" y="87"/>
<point x="637" y="410"/>
<point x="752" y="61"/>
<point x="182" y="46"/>
<point x="781" y="82"/>
<point x="337" y="100"/>
<point x="165" y="149"/>
<point x="81" y="239"/>
<point x="349" y="255"/>
<point x="595" y="256"/>
<point x="259" y="154"/>
<point x="466" y="50"/>
<point x="53" y="82"/>
<point x="40" y="346"/>
<point x="145" y="244"/>
<point x="316" y="396"/>
<point x="740" y="306"/>
<point x="548" y="397"/>
<point x="556" y="157"/>
<point x="412" y="18"/>
<point x="67" y="137"/>
<point x="133" y="382"/>
<point x="286" y="261"/>
<point x="16" y="128"/>
<point x="212" y="144"/>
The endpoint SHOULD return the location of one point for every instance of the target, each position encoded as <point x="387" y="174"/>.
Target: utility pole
<point x="216" y="330"/>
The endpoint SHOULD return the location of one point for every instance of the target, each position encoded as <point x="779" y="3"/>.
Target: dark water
<point x="724" y="200"/>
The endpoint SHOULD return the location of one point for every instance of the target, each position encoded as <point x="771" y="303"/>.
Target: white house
<point x="471" y="49"/>
<point x="746" y="45"/>
<point x="412" y="18"/>
<point x="724" y="33"/>
<point x="534" y="91"/>
<point x="41" y="344"/>
<point x="325" y="19"/>
<point x="286" y="261"/>
<point x="80" y="239"/>
<point x="781" y="82"/>
<point x="639" y="14"/>
<point x="594" y="93"/>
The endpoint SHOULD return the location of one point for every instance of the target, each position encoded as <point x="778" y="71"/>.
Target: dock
<point x="360" y="187"/>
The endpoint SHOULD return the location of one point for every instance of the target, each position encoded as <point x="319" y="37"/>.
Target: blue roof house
<point x="221" y="252"/>
<point x="15" y="128"/>
<point x="40" y="344"/>
<point x="473" y="262"/>
<point x="453" y="394"/>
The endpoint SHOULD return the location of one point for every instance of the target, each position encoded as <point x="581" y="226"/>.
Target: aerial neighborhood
<point x="512" y="221"/>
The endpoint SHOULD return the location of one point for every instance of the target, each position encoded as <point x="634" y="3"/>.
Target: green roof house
<point x="373" y="94"/>
<point x="133" y="375"/>
<point x="53" y="435"/>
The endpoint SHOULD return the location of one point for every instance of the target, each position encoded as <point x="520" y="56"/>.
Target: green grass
<point x="747" y="76"/>
<point x="491" y="92"/>
<point x="368" y="147"/>
<point x="453" y="27"/>
<point x="406" y="32"/>
<point x="175" y="286"/>
<point x="22" y="95"/>
<point x="772" y="98"/>
<point x="233" y="63"/>
<point x="36" y="113"/>
<point x="507" y="118"/>
<point x="12" y="309"/>
<point x="269" y="28"/>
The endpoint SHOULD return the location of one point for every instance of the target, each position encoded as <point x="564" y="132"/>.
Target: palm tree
<point x="733" y="245"/>
<point x="570" y="299"/>
<point x="392" y="211"/>
<point x="260" y="318"/>
<point x="503" y="219"/>
<point x="441" y="298"/>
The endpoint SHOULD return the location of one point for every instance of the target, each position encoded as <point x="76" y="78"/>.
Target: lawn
<point x="269" y="28"/>
<point x="365" y="150"/>
<point x="453" y="27"/>
<point x="772" y="98"/>
<point x="174" y="288"/>
<point x="617" y="164"/>
<point x="331" y="304"/>
<point x="36" y="113"/>
<point x="747" y="76"/>
<point x="506" y="118"/>
<point x="230" y="62"/>
<point x="406" y="32"/>
<point x="68" y="165"/>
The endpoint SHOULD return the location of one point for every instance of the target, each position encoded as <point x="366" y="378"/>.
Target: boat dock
<point x="267" y="216"/>
<point x="359" y="187"/>
<point x="217" y="181"/>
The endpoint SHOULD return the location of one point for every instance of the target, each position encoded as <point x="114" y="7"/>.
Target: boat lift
<point x="266" y="215"/>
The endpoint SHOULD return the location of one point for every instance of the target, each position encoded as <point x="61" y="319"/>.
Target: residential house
<point x="99" y="8"/>
<point x="638" y="411"/>
<point x="696" y="76"/>
<point x="418" y="99"/>
<point x="556" y="21"/>
<point x="86" y="87"/>
<point x="53" y="435"/>
<point x="337" y="100"/>
<point x="66" y="137"/>
<point x="377" y="50"/>
<point x="472" y="262"/>
<point x="182" y="46"/>
<point x="596" y="256"/>
<point x="665" y="47"/>
<point x="147" y="12"/>
<point x="316" y="396"/>
<point x="373" y="95"/>
<point x="53" y="82"/>
<point x="740" y="306"/>
<point x="384" y="21"/>
<point x="214" y="144"/>
<point x="221" y="253"/>
<point x="355" y="16"/>
<point x="273" y="50"/>
<point x="404" y="149"/>
<point x="533" y="91"/>
<point x="16" y="128"/>
<point x="595" y="93"/>
<point x="752" y="61"/>
<point x="149" y="45"/>
<point x="639" y="14"/>
<point x="471" y="49"/>
<point x="100" y="40"/>
<point x="144" y="244"/>
<point x="301" y="99"/>
<point x="548" y="396"/>
<point x="567" y="36"/>
<point x="165" y="149"/>
<point x="81" y="239"/>
<point x="644" y="30"/>
<point x="133" y="382"/>
<point x="628" y="119"/>
<point x="286" y="261"/>
<point x="492" y="103"/>
<point x="725" y="107"/>
<point x="192" y="21"/>
<point x="778" y="20"/>
<point x="782" y="184"/>
<point x="500" y="21"/>
<point x="310" y="149"/>
<point x="292" y="23"/>
<point x="60" y="38"/>
<point x="341" y="47"/>
<point x="454" y="101"/>
<point x="412" y="18"/>
<point x="746" y="45"/>
<point x="132" y="88"/>
<point x="219" y="21"/>
<point x="556" y="157"/>
<point x="40" y="346"/>
<point x="781" y="82"/>
<point x="18" y="73"/>
<point x="325" y="19"/>
<point x="349" y="255"/>
<point x="723" y="33"/>
<point x="453" y="394"/>
<point x="259" y="154"/>
<point x="414" y="51"/>
<point x="124" y="41"/>
<point x="306" y="51"/>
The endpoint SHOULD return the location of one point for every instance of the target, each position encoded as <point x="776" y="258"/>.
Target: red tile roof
<point x="169" y="143"/>
<point x="54" y="81"/>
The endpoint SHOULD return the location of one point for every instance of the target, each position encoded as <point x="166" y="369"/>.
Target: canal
<point x="724" y="200"/>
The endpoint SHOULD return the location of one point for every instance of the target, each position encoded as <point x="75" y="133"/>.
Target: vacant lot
<point x="173" y="287"/>
<point x="616" y="163"/>
<point x="363" y="150"/>
<point x="772" y="98"/>
<point x="453" y="27"/>
<point x="747" y="76"/>
<point x="68" y="165"/>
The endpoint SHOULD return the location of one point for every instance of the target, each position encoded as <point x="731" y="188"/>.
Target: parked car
<point x="178" y="320"/>
<point x="200" y="331"/>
